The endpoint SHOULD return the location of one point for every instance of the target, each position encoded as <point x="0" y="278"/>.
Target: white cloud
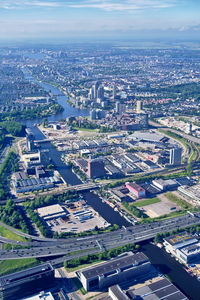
<point x="125" y="5"/>
<point x="107" y="5"/>
<point x="14" y="4"/>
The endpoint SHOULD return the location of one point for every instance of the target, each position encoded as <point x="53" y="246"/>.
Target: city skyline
<point x="59" y="19"/>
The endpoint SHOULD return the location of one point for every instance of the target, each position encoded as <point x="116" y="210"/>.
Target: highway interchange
<point x="76" y="247"/>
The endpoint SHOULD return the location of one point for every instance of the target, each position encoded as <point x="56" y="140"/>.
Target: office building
<point x="135" y="189"/>
<point x="44" y="157"/>
<point x="30" y="138"/>
<point x="93" y="114"/>
<point x="114" y="92"/>
<point x="114" y="271"/>
<point x="100" y="93"/>
<point x="139" y="107"/>
<point x="175" y="156"/>
<point x="96" y="168"/>
<point x="25" y="283"/>
<point x="120" y="108"/>
<point x="95" y="89"/>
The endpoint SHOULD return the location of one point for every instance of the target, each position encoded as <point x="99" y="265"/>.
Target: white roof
<point x="50" y="210"/>
<point x="147" y="136"/>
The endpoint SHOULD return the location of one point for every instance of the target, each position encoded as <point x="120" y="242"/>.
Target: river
<point x="61" y="99"/>
<point x="159" y="258"/>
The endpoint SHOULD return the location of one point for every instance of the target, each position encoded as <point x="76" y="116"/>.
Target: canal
<point x="167" y="265"/>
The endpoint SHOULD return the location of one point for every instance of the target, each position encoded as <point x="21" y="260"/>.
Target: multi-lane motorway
<point x="79" y="246"/>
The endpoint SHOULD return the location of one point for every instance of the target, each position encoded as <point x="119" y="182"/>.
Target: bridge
<point x="43" y="247"/>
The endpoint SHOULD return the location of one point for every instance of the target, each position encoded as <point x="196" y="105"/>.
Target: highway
<point x="101" y="242"/>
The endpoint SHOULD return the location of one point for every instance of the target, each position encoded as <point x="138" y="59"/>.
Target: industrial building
<point x="184" y="247"/>
<point x="24" y="283"/>
<point x="162" y="289"/>
<point x="136" y="189"/>
<point x="33" y="184"/>
<point x="191" y="192"/>
<point x="114" y="271"/>
<point x="165" y="185"/>
<point x="52" y="212"/>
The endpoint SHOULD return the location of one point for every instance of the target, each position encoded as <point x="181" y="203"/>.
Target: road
<point x="101" y="242"/>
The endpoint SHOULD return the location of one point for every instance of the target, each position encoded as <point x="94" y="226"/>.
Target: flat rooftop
<point x="162" y="289"/>
<point x="50" y="210"/>
<point x="179" y="238"/>
<point x="124" y="262"/>
<point x="147" y="136"/>
<point x="17" y="276"/>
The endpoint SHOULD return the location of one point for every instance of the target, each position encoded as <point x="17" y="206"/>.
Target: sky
<point x="62" y="19"/>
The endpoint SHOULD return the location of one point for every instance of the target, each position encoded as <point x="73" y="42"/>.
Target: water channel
<point x="159" y="258"/>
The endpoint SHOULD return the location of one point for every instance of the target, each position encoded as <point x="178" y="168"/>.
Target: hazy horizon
<point x="95" y="19"/>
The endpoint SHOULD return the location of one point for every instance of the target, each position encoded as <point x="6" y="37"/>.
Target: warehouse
<point x="51" y="212"/>
<point x="115" y="271"/>
<point x="136" y="189"/>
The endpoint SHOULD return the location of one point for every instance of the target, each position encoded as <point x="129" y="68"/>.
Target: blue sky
<point x="95" y="18"/>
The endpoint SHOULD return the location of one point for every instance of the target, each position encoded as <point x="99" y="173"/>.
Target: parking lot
<point x="161" y="208"/>
<point x="76" y="225"/>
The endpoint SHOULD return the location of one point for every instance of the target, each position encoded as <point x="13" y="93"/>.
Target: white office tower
<point x="114" y="92"/>
<point x="95" y="88"/>
<point x="91" y="94"/>
<point x="120" y="108"/>
<point x="139" y="107"/>
<point x="175" y="156"/>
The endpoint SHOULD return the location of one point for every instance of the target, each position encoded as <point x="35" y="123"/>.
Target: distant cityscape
<point x="99" y="172"/>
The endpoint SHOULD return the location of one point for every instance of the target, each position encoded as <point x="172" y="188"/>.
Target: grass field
<point x="146" y="202"/>
<point x="14" y="265"/>
<point x="179" y="201"/>
<point x="85" y="129"/>
<point x="4" y="232"/>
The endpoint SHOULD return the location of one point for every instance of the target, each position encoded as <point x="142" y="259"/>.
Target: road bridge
<point x="106" y="241"/>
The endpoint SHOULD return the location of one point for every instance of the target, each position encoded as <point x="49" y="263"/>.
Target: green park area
<point x="146" y="202"/>
<point x="14" y="265"/>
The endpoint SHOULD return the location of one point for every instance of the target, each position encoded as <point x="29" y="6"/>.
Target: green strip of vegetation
<point x="179" y="201"/>
<point x="142" y="179"/>
<point x="146" y="202"/>
<point x="136" y="212"/>
<point x="14" y="265"/>
<point x="10" y="215"/>
<point x="9" y="165"/>
<point x="78" y="262"/>
<point x="6" y="233"/>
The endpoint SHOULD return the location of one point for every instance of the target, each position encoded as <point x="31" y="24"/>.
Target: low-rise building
<point x="184" y="247"/>
<point x="164" y="185"/>
<point x="20" y="284"/>
<point x="136" y="189"/>
<point x="52" y="212"/>
<point x="114" y="271"/>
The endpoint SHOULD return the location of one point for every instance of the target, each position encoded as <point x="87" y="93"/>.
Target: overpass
<point x="79" y="246"/>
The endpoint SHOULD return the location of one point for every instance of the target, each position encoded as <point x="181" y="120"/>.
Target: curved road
<point x="101" y="242"/>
